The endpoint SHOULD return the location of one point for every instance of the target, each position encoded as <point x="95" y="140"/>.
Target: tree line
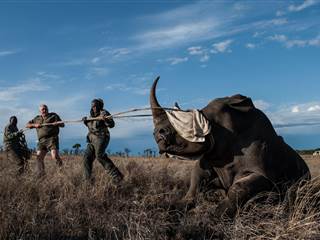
<point x="126" y="152"/>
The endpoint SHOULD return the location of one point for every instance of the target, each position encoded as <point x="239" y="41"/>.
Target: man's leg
<point x="113" y="171"/>
<point x="55" y="156"/>
<point x="88" y="159"/>
<point x="40" y="162"/>
<point x="22" y="163"/>
<point x="53" y="145"/>
<point x="14" y="156"/>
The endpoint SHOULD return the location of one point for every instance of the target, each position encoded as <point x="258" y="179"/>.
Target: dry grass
<point x="146" y="206"/>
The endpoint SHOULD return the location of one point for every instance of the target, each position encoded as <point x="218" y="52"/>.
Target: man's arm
<point x="9" y="134"/>
<point x="33" y="124"/>
<point x="58" y="119"/>
<point x="109" y="121"/>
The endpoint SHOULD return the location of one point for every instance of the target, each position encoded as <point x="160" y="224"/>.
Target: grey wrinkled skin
<point x="243" y="153"/>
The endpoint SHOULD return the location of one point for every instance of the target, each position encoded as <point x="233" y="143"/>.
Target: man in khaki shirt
<point x="48" y="139"/>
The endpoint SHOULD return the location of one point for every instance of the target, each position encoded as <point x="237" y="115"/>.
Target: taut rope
<point x="118" y="115"/>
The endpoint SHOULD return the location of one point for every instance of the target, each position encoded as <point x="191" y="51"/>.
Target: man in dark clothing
<point x="16" y="145"/>
<point x="98" y="140"/>
<point x="48" y="139"/>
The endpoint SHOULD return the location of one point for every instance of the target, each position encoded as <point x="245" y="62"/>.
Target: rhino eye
<point x="162" y="131"/>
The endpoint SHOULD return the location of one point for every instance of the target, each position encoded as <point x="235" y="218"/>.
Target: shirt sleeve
<point x="58" y="118"/>
<point x="34" y="120"/>
<point x="109" y="121"/>
<point x="9" y="134"/>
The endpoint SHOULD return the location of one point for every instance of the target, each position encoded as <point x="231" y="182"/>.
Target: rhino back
<point x="289" y="165"/>
<point x="248" y="135"/>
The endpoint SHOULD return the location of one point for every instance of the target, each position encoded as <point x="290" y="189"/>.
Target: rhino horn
<point x="158" y="113"/>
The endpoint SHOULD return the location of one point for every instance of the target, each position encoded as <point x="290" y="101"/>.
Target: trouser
<point x="96" y="150"/>
<point x="15" y="155"/>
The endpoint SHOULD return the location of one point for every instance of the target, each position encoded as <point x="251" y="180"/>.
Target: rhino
<point x="243" y="153"/>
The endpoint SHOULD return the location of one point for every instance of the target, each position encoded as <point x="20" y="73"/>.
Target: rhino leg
<point x="197" y="175"/>
<point x="241" y="191"/>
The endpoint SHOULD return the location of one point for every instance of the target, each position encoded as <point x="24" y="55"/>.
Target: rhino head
<point x="167" y="138"/>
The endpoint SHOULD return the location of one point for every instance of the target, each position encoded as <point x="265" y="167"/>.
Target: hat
<point x="99" y="102"/>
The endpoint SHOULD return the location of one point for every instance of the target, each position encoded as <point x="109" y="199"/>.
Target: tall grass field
<point x="147" y="205"/>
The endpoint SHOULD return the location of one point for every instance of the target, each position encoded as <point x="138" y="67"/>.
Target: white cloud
<point x="204" y="53"/>
<point x="314" y="108"/>
<point x="186" y="24"/>
<point x="7" y="53"/>
<point x="141" y="79"/>
<point x="295" y="109"/>
<point x="95" y="60"/>
<point x="205" y="58"/>
<point x="45" y="75"/>
<point x="178" y="34"/>
<point x="127" y="88"/>
<point x="200" y="51"/>
<point x="101" y="56"/>
<point x="315" y="41"/>
<point x="117" y="86"/>
<point x="270" y="23"/>
<point x="14" y="92"/>
<point x="205" y="20"/>
<point x="65" y="104"/>
<point x="138" y="84"/>
<point x="296" y="43"/>
<point x="105" y="55"/>
<point x="278" y="38"/>
<point x="222" y="47"/>
<point x="305" y="4"/>
<point x="74" y="62"/>
<point x="115" y="52"/>
<point x="100" y="71"/>
<point x="280" y="13"/>
<point x="258" y="34"/>
<point x="176" y="60"/>
<point x="195" y="50"/>
<point x="297" y="118"/>
<point x="238" y="6"/>
<point x="289" y="43"/>
<point x="279" y="21"/>
<point x="250" y="45"/>
<point x="261" y="104"/>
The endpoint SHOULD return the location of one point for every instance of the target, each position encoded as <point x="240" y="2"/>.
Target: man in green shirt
<point x="98" y="140"/>
<point x="47" y="126"/>
<point x="16" y="145"/>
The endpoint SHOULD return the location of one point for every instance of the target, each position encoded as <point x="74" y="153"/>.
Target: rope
<point x="116" y="115"/>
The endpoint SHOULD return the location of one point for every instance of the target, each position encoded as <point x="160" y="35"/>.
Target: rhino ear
<point x="241" y="103"/>
<point x="176" y="105"/>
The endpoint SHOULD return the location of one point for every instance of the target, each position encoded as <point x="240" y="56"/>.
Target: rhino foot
<point x="186" y="203"/>
<point x="225" y="209"/>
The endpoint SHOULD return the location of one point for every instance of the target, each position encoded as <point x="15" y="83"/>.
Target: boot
<point x="116" y="175"/>
<point x="114" y="172"/>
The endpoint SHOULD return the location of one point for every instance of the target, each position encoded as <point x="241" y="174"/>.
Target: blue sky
<point x="65" y="53"/>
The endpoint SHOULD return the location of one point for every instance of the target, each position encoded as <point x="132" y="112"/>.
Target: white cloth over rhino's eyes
<point x="190" y="125"/>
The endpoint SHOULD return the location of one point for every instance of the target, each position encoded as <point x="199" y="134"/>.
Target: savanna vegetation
<point x="146" y="206"/>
